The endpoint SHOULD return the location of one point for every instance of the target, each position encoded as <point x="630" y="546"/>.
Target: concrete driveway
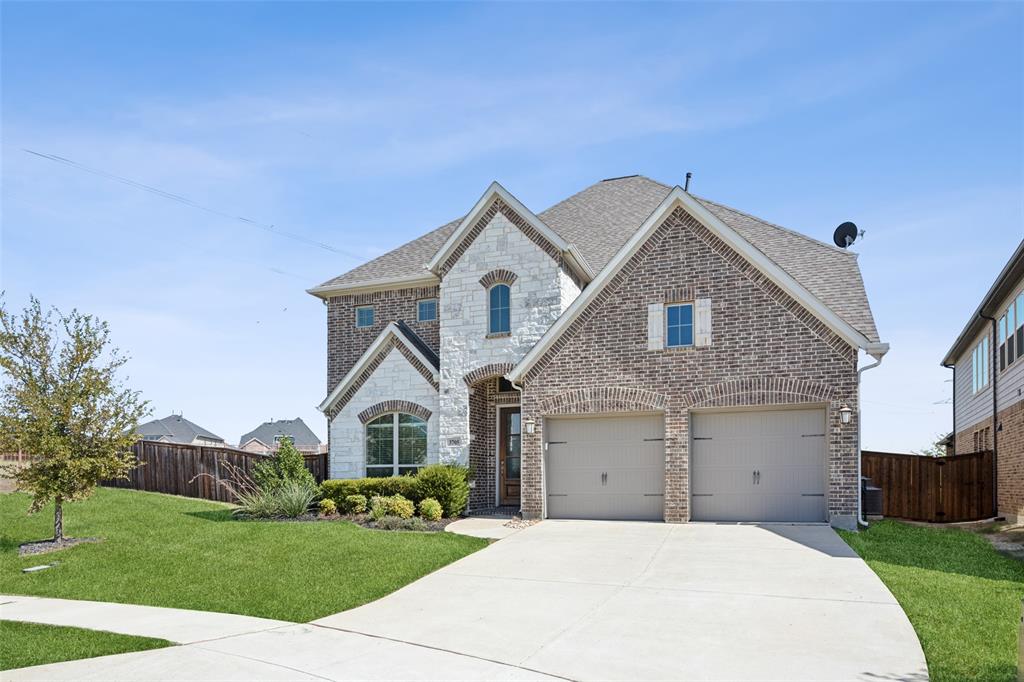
<point x="588" y="600"/>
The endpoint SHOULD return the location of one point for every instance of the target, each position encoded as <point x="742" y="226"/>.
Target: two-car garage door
<point x="764" y="465"/>
<point x="606" y="467"/>
<point x="752" y="465"/>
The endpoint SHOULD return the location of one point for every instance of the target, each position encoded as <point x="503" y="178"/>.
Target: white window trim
<point x="373" y="313"/>
<point x="395" y="466"/>
<point x="693" y="324"/>
<point x="420" y="318"/>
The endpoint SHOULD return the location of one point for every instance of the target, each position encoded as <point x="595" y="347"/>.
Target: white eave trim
<point x="678" y="197"/>
<point x="495" y="190"/>
<point x="365" y="359"/>
<point x="325" y="291"/>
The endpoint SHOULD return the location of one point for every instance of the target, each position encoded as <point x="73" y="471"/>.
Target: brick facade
<point x="1009" y="456"/>
<point x="346" y="342"/>
<point x="767" y="350"/>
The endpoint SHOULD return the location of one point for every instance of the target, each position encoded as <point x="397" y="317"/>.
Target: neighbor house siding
<point x="346" y="342"/>
<point x="766" y="350"/>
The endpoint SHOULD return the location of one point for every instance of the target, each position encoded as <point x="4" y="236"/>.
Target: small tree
<point x="287" y="464"/>
<point x="936" y="449"/>
<point x="62" y="403"/>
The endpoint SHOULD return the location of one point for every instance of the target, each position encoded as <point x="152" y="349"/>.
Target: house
<point x="632" y="352"/>
<point x="987" y="359"/>
<point x="176" y="429"/>
<point x="267" y="437"/>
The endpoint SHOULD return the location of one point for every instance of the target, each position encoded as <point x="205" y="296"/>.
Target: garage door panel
<point x="606" y="467"/>
<point x="786" y="449"/>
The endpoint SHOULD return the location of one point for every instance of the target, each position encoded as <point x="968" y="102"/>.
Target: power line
<point x="188" y="202"/>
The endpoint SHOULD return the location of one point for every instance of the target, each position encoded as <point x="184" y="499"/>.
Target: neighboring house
<point x="633" y="352"/>
<point x="267" y="437"/>
<point x="177" y="429"/>
<point x="988" y="384"/>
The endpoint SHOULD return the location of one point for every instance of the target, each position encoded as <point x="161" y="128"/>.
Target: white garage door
<point x="606" y="467"/>
<point x="758" y="466"/>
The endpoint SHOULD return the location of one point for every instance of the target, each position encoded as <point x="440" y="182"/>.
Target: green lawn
<point x="963" y="597"/>
<point x="25" y="644"/>
<point x="173" y="551"/>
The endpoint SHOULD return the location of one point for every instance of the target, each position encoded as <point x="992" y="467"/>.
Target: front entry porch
<point x="494" y="447"/>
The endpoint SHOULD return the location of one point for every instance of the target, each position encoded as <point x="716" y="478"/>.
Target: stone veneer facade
<point x="766" y="349"/>
<point x="500" y="241"/>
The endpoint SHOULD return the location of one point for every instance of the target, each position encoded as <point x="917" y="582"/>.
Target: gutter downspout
<point x="995" y="412"/>
<point x="877" y="352"/>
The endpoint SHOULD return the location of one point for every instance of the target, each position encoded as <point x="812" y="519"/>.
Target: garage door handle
<point x="654" y="495"/>
<point x="812" y="494"/>
<point x="558" y="494"/>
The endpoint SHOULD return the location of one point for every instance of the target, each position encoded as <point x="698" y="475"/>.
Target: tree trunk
<point x="58" y="520"/>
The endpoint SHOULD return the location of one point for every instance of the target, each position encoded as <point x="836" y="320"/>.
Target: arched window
<point x="499" y="321"/>
<point x="396" y="444"/>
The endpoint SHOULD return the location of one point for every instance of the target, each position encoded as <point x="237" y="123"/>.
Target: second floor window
<point x="979" y="364"/>
<point x="499" y="320"/>
<point x="426" y="310"/>
<point x="679" y="324"/>
<point x="364" y="316"/>
<point x="1011" y="333"/>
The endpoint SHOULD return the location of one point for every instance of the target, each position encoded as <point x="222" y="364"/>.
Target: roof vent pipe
<point x="686" y="186"/>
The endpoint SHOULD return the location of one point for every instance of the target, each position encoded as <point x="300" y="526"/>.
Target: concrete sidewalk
<point x="180" y="626"/>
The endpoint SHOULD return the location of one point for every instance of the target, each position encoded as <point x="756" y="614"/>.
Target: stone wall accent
<point x="495" y="276"/>
<point x="537" y="297"/>
<point x="396" y="380"/>
<point x="495" y="369"/>
<point x="346" y="343"/>
<point x="499" y="207"/>
<point x="767" y="350"/>
<point x="388" y="406"/>
<point x="600" y="399"/>
<point x="391" y="344"/>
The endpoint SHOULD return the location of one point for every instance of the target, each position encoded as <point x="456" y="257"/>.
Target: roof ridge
<point x="776" y="226"/>
<point x="595" y="184"/>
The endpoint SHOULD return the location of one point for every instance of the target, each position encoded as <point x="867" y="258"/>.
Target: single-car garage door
<point x="606" y="467"/>
<point x="764" y="465"/>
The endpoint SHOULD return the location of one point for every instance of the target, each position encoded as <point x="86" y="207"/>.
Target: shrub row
<point x="447" y="484"/>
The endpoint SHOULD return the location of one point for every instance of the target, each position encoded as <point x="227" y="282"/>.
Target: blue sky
<point x="362" y="126"/>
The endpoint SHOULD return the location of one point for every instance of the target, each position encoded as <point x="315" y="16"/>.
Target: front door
<point x="508" y="456"/>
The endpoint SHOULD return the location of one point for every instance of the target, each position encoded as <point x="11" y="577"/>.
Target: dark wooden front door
<point x="508" y="456"/>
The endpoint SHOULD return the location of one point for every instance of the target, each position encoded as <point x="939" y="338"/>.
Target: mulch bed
<point x="363" y="520"/>
<point x="46" y="546"/>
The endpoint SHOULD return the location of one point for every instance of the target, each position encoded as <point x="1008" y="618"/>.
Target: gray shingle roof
<point x="296" y="428"/>
<point x="600" y="219"/>
<point x="175" y="429"/>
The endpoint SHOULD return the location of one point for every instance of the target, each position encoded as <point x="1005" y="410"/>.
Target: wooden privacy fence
<point x="177" y="469"/>
<point x="938" y="489"/>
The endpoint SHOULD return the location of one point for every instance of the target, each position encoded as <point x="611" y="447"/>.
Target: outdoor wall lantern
<point x="845" y="413"/>
<point x="530" y="425"/>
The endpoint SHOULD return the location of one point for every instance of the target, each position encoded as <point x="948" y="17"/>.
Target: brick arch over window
<point x="388" y="406"/>
<point x="499" y="276"/>
<point x="496" y="369"/>
<point x="758" y="391"/>
<point x="603" y="399"/>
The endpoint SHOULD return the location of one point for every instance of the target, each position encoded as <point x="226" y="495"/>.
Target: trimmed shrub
<point x="286" y="465"/>
<point x="327" y="507"/>
<point x="446" y="483"/>
<point x="355" y="504"/>
<point x="340" y="488"/>
<point x="391" y="505"/>
<point x="430" y="509"/>
<point x="398" y="523"/>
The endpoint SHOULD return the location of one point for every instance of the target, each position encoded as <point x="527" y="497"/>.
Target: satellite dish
<point x="845" y="235"/>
